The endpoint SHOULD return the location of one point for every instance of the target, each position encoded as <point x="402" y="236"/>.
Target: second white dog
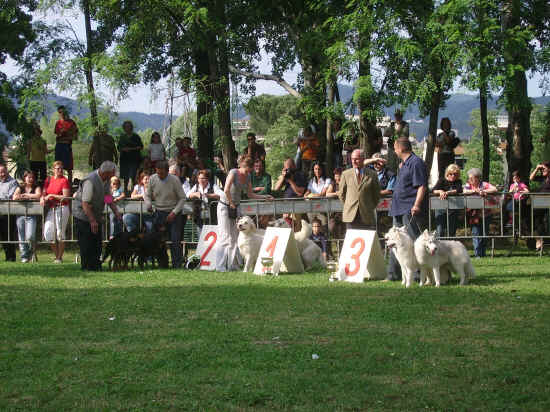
<point x="249" y="242"/>
<point x="442" y="256"/>
<point x="402" y="245"/>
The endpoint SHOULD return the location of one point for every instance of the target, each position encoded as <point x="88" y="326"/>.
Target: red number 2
<point x="355" y="257"/>
<point x="271" y="247"/>
<point x="209" y="248"/>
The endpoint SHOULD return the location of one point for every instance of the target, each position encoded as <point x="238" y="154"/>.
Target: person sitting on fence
<point x="166" y="191"/>
<point x="317" y="187"/>
<point x="309" y="149"/>
<point x="445" y="144"/>
<point x="449" y="185"/>
<point x="26" y="225"/>
<point x="8" y="186"/>
<point x="186" y="156"/>
<point x="254" y="150"/>
<point x="37" y="149"/>
<point x="118" y="194"/>
<point x="66" y="132"/>
<point x="54" y="195"/>
<point x="517" y="188"/>
<point x="131" y="220"/>
<point x="156" y="149"/>
<point x="336" y="227"/>
<point x="318" y="237"/>
<point x="204" y="196"/>
<point x="541" y="174"/>
<point x="129" y="147"/>
<point x="478" y="219"/>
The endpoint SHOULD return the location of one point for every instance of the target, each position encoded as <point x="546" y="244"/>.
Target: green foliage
<point x="540" y="129"/>
<point x="279" y="143"/>
<point x="265" y="110"/>
<point x="473" y="150"/>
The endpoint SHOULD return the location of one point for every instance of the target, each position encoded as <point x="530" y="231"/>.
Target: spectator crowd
<point x="393" y="171"/>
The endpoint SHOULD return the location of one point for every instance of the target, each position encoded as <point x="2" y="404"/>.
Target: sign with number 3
<point x="361" y="257"/>
<point x="206" y="247"/>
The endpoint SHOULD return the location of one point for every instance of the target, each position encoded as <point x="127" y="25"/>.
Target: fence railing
<point x="527" y="218"/>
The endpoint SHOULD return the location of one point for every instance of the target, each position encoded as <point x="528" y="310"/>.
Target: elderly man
<point x="359" y="192"/>
<point x="167" y="193"/>
<point x="409" y="201"/>
<point x="291" y="181"/>
<point x="8" y="185"/>
<point x="90" y="199"/>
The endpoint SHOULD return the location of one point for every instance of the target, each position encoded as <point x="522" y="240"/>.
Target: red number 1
<point x="209" y="248"/>
<point x="271" y="247"/>
<point x="355" y="257"/>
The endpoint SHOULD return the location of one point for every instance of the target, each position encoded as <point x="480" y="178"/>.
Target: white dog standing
<point x="249" y="241"/>
<point x="442" y="256"/>
<point x="402" y="244"/>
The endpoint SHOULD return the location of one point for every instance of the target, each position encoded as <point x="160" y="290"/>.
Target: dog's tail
<point x="304" y="233"/>
<point x="469" y="270"/>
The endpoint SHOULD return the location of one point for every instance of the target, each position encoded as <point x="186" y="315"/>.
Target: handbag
<point x="231" y="213"/>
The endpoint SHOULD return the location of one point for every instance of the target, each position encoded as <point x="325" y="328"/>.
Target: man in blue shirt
<point x="409" y="201"/>
<point x="386" y="177"/>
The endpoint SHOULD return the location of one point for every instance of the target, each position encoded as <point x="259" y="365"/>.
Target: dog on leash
<point x="442" y="257"/>
<point x="310" y="252"/>
<point x="249" y="242"/>
<point x="398" y="240"/>
<point x="120" y="249"/>
<point x="151" y="245"/>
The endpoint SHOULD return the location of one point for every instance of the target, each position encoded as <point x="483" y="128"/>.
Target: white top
<point x="157" y="151"/>
<point x="186" y="187"/>
<point x="204" y="191"/>
<point x="317" y="188"/>
<point x="139" y="189"/>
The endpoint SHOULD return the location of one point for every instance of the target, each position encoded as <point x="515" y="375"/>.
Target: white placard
<point x="206" y="248"/>
<point x="279" y="243"/>
<point x="361" y="257"/>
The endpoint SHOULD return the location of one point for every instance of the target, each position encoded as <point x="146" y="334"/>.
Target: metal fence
<point x="526" y="219"/>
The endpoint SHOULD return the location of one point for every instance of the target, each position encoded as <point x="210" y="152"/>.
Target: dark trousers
<point x="359" y="224"/>
<point x="174" y="232"/>
<point x="5" y="230"/>
<point x="415" y="226"/>
<point x="89" y="244"/>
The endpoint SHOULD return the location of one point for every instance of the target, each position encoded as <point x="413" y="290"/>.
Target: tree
<point x="279" y="143"/>
<point x="265" y="110"/>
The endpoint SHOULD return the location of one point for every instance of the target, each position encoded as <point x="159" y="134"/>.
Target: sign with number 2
<point x="361" y="257"/>
<point x="206" y="247"/>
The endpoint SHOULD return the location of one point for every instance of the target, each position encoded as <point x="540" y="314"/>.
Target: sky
<point x="142" y="99"/>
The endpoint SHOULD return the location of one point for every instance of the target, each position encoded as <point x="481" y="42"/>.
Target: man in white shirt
<point x="167" y="193"/>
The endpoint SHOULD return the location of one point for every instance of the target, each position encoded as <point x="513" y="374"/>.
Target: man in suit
<point x="359" y="192"/>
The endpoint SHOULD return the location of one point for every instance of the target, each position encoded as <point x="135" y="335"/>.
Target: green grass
<point x="188" y="340"/>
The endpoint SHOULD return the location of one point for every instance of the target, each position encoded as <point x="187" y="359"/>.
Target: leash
<point x="413" y="220"/>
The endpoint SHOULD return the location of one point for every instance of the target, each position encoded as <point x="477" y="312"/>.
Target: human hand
<point x="443" y="195"/>
<point x="94" y="226"/>
<point x="415" y="210"/>
<point x="170" y="218"/>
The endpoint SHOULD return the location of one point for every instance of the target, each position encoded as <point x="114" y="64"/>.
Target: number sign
<point x="206" y="247"/>
<point x="279" y="243"/>
<point x="361" y="257"/>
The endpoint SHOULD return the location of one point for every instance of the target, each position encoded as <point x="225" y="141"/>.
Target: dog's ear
<point x="434" y="233"/>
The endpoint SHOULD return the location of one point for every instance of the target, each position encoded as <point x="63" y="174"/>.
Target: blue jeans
<point x="174" y="231"/>
<point x="115" y="225"/>
<point x="26" y="230"/>
<point x="131" y="221"/>
<point x="480" y="243"/>
<point x="414" y="228"/>
<point x="441" y="222"/>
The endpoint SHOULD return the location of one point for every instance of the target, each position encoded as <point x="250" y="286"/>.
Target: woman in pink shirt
<point x="517" y="188"/>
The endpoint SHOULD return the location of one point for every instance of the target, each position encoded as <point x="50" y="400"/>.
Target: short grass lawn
<point x="189" y="340"/>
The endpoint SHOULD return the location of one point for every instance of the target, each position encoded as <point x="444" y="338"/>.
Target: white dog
<point x="249" y="241"/>
<point x="402" y="245"/>
<point x="442" y="256"/>
<point x="309" y="251"/>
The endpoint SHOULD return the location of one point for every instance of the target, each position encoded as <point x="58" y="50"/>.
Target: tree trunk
<point x="518" y="104"/>
<point x="432" y="130"/>
<point x="205" y="127"/>
<point x="88" y="64"/>
<point x="330" y="137"/>
<point x="484" y="130"/>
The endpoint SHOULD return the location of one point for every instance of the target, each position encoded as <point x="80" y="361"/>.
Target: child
<point x="318" y="236"/>
<point x="118" y="194"/>
<point x="156" y="149"/>
<point x="517" y="188"/>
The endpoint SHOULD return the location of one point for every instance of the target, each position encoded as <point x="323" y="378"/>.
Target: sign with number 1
<point x="279" y="244"/>
<point x="206" y="247"/>
<point x="361" y="257"/>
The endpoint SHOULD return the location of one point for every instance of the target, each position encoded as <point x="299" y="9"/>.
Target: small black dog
<point x="151" y="245"/>
<point x="121" y="248"/>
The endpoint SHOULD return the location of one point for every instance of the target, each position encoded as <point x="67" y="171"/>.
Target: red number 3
<point x="355" y="257"/>
<point x="213" y="235"/>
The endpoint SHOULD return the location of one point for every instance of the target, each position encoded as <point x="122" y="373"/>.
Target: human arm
<point x="420" y="193"/>
<point x="330" y="191"/>
<point x="17" y="194"/>
<point x="343" y="188"/>
<point x="533" y="175"/>
<point x="252" y="195"/>
<point x="280" y="180"/>
<point x="297" y="183"/>
<point x="178" y="189"/>
<point x="227" y="189"/>
<point x="148" y="195"/>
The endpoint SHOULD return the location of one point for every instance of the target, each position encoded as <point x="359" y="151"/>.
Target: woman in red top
<point x="55" y="194"/>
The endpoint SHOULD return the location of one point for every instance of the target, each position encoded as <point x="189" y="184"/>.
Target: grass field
<point x="188" y="340"/>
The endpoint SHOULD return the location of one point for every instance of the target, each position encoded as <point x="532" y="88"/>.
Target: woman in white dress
<point x="238" y="182"/>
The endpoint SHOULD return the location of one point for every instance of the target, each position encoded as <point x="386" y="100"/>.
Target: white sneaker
<point x="57" y="261"/>
<point x="24" y="260"/>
